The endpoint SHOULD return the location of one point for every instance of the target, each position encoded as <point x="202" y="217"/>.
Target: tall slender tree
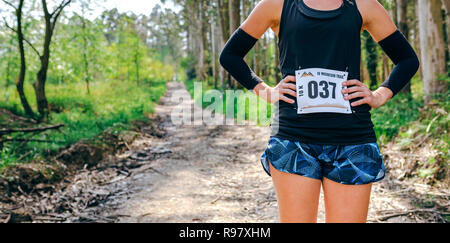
<point x="235" y="22"/>
<point x="446" y="5"/>
<point x="402" y="20"/>
<point x="23" y="63"/>
<point x="85" y="41"/>
<point x="277" y="59"/>
<point x="372" y="59"/>
<point x="50" y="19"/>
<point x="432" y="46"/>
<point x="223" y="13"/>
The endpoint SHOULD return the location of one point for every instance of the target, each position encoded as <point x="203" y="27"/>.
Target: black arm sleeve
<point x="232" y="58"/>
<point x="397" y="47"/>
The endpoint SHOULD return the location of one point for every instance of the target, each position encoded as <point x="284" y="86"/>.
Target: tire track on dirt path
<point x="212" y="174"/>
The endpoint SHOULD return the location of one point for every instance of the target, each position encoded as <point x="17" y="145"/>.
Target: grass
<point x="110" y="105"/>
<point x="395" y="114"/>
<point x="260" y="111"/>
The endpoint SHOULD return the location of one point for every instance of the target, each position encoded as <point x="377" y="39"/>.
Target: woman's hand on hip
<point x="286" y="91"/>
<point x="373" y="98"/>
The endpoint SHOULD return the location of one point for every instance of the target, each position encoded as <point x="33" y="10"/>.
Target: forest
<point x="61" y="70"/>
<point x="69" y="76"/>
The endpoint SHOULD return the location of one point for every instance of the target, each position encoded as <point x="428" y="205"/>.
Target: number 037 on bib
<point x="319" y="90"/>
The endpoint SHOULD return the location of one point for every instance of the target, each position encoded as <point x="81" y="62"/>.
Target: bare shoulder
<point x="271" y="7"/>
<point x="265" y="15"/>
<point x="369" y="9"/>
<point x="376" y="19"/>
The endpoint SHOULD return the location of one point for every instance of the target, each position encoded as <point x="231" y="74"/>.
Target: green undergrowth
<point x="112" y="105"/>
<point x="431" y="127"/>
<point x="235" y="104"/>
<point x="394" y="115"/>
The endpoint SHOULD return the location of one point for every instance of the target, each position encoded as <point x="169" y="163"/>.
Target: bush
<point x="397" y="113"/>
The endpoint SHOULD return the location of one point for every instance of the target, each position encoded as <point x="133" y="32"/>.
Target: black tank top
<point x="310" y="38"/>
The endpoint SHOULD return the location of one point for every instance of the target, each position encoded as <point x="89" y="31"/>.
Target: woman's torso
<point x="310" y="38"/>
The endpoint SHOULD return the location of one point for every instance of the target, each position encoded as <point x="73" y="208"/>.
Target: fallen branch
<point x="431" y="123"/>
<point x="49" y="219"/>
<point x="26" y="130"/>
<point x="142" y="216"/>
<point x="423" y="140"/>
<point x="17" y="117"/>
<point x="96" y="219"/>
<point x="31" y="140"/>
<point x="388" y="216"/>
<point x="24" y="155"/>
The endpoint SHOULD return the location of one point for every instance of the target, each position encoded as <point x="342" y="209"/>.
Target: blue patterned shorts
<point x="346" y="164"/>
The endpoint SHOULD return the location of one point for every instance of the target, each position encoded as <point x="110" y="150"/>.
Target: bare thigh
<point x="346" y="203"/>
<point x="298" y="197"/>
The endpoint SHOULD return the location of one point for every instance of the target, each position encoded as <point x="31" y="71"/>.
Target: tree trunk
<point x="223" y="9"/>
<point x="278" y="75"/>
<point x="364" y="73"/>
<point x="402" y="14"/>
<point x="415" y="28"/>
<point x="86" y="72"/>
<point x="224" y="18"/>
<point x="255" y="58"/>
<point x="200" y="51"/>
<point x="432" y="46"/>
<point x="41" y="77"/>
<point x="235" y="15"/>
<point x="23" y="66"/>
<point x="39" y="85"/>
<point x="137" y="61"/>
<point x="387" y="68"/>
<point x="204" y="39"/>
<point x="87" y="77"/>
<point x="8" y="73"/>
<point x="372" y="59"/>
<point x="402" y="20"/>
<point x="266" y="66"/>
<point x="214" y="57"/>
<point x="446" y="4"/>
<point x="235" y="22"/>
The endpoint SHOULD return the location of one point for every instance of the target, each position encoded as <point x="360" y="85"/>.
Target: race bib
<point x="319" y="90"/>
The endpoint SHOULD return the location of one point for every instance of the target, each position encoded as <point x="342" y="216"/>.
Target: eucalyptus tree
<point x="432" y="47"/>
<point x="402" y="22"/>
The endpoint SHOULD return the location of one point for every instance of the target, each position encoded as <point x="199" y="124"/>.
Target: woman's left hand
<point x="374" y="99"/>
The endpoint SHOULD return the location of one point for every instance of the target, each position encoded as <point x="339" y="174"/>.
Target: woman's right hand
<point x="286" y="91"/>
